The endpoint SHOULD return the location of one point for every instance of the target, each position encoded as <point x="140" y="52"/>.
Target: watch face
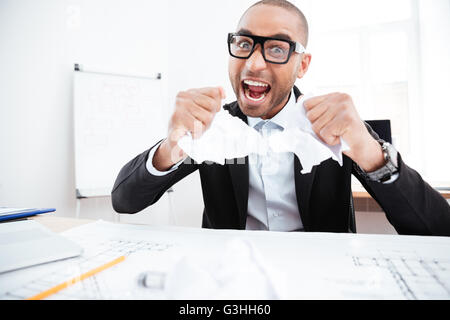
<point x="383" y="174"/>
<point x="391" y="154"/>
<point x="386" y="178"/>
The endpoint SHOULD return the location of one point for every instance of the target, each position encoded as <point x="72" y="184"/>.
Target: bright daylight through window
<point x="392" y="58"/>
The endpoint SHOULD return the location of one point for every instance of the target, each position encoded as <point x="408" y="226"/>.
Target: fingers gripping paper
<point x="229" y="137"/>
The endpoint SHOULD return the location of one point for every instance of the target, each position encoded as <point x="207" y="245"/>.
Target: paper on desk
<point x="238" y="273"/>
<point x="309" y="265"/>
<point x="229" y="137"/>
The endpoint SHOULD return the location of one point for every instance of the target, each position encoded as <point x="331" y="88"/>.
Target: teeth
<point x="255" y="83"/>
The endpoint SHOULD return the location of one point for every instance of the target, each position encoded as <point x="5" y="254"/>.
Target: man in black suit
<point x="267" y="55"/>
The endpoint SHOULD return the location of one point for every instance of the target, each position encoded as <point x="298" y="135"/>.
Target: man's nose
<point x="256" y="61"/>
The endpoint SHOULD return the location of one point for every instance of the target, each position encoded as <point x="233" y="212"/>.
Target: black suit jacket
<point x="323" y="196"/>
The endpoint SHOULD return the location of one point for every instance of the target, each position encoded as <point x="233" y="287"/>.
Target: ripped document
<point x="229" y="137"/>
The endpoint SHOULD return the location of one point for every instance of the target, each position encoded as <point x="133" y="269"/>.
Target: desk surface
<point x="299" y="265"/>
<point x="60" y="224"/>
<point x="360" y="192"/>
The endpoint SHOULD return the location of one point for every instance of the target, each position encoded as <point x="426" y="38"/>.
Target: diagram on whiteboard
<point x="116" y="118"/>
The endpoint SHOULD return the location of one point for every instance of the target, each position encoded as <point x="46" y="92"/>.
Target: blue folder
<point x="12" y="213"/>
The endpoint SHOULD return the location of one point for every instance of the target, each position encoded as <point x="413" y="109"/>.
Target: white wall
<point x="35" y="106"/>
<point x="200" y="25"/>
<point x="41" y="40"/>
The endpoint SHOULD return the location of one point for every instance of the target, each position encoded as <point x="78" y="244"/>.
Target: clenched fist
<point x="194" y="111"/>
<point x="334" y="116"/>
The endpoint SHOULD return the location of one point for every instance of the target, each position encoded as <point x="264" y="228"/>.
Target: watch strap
<point x="390" y="168"/>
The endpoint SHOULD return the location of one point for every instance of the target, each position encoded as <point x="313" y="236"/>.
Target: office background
<point x="391" y="56"/>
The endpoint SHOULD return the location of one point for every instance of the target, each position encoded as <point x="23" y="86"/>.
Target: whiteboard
<point x="115" y="119"/>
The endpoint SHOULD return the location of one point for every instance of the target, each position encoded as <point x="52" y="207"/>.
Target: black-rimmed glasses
<point x="274" y="50"/>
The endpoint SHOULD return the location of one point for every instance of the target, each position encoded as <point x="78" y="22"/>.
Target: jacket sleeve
<point x="411" y="205"/>
<point x="136" y="188"/>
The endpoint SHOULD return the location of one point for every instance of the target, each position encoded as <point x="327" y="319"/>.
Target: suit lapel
<point x="240" y="180"/>
<point x="239" y="174"/>
<point x="303" y="186"/>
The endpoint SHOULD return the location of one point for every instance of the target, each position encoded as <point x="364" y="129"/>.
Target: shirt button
<point x="276" y="214"/>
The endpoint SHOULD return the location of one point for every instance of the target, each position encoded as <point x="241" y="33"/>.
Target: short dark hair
<point x="292" y="8"/>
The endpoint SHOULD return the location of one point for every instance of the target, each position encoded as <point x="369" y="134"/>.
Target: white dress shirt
<point x="272" y="201"/>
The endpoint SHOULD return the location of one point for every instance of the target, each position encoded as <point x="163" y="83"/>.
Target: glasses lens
<point x="277" y="50"/>
<point x="241" y="46"/>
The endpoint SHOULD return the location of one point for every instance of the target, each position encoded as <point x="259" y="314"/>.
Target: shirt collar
<point x="282" y="118"/>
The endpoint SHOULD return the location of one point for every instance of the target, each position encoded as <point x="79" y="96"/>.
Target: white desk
<point x="303" y="265"/>
<point x="60" y="224"/>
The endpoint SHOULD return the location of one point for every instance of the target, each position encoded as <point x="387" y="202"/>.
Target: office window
<point x="373" y="50"/>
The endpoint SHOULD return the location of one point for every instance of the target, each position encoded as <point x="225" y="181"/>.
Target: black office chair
<point x="383" y="129"/>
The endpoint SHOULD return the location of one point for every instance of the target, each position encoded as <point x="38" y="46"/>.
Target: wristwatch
<point x="390" y="168"/>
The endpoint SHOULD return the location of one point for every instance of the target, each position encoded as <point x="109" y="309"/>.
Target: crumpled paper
<point x="247" y="277"/>
<point x="229" y="137"/>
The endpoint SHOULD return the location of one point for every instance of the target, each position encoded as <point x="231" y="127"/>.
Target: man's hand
<point x="194" y="111"/>
<point x="334" y="116"/>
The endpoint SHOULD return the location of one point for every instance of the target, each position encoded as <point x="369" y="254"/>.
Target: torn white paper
<point x="229" y="137"/>
<point x="216" y="278"/>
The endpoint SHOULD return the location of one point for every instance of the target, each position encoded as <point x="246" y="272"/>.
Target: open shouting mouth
<point x="255" y="91"/>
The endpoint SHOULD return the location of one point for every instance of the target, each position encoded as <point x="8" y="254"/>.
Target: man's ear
<point x="304" y="65"/>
